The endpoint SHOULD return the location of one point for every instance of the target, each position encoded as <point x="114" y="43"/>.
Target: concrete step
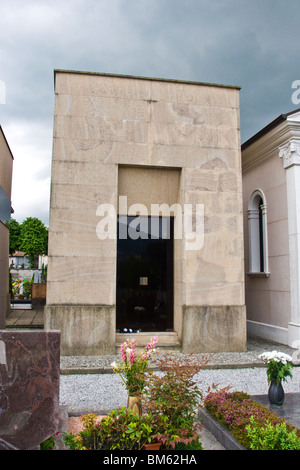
<point x="168" y="341"/>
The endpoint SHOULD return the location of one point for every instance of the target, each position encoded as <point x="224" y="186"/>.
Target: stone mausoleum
<point x="146" y="223"/>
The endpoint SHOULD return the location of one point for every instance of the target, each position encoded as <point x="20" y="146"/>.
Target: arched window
<point x="258" y="239"/>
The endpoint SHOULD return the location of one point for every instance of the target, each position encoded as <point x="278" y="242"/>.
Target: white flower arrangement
<point x="279" y="365"/>
<point x="275" y="356"/>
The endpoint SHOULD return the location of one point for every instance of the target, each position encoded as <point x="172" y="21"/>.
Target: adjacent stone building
<point x="271" y="190"/>
<point x="146" y="223"/>
<point x="6" y="165"/>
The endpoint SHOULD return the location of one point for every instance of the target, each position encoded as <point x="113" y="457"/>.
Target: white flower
<point x="114" y="365"/>
<point x="276" y="356"/>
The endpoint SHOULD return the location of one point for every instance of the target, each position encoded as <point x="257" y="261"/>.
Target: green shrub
<point x="174" y="396"/>
<point x="270" y="437"/>
<point x="27" y="288"/>
<point x="120" y="430"/>
<point x="173" y="393"/>
<point x="193" y="445"/>
<point x="49" y="444"/>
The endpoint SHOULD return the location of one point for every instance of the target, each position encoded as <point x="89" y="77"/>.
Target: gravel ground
<point x="102" y="392"/>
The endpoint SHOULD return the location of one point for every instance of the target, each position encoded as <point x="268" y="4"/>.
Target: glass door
<point x="145" y="273"/>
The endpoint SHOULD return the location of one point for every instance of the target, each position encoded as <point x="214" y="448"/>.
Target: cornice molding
<point x="268" y="145"/>
<point x="290" y="153"/>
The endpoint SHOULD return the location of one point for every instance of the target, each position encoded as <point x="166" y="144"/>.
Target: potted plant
<point x="279" y="368"/>
<point x="133" y="368"/>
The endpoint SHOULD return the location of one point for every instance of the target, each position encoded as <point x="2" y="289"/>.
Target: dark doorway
<point x="145" y="273"/>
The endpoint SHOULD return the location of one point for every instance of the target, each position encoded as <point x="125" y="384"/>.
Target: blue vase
<point x="276" y="393"/>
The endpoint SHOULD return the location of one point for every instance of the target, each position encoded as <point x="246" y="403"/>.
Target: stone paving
<point x="25" y="318"/>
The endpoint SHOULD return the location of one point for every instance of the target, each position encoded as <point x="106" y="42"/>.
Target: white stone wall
<point x="268" y="299"/>
<point x="271" y="164"/>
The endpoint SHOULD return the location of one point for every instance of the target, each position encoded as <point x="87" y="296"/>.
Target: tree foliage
<point x="31" y="236"/>
<point x="14" y="235"/>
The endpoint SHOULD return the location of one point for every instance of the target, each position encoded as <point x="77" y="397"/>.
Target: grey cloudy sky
<point x="250" y="43"/>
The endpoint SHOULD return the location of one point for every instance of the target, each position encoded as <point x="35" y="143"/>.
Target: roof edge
<point x="268" y="128"/>
<point x="137" y="77"/>
<point x="6" y="142"/>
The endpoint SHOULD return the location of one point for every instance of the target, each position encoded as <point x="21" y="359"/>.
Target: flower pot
<point x="154" y="446"/>
<point x="135" y="404"/>
<point x="276" y="393"/>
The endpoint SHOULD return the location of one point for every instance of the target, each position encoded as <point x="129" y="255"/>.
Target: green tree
<point x="14" y="235"/>
<point x="33" y="238"/>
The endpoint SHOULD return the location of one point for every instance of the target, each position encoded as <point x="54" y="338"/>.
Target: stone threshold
<point x="168" y="341"/>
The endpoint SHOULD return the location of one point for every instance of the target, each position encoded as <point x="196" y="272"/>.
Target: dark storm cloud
<point x="250" y="43"/>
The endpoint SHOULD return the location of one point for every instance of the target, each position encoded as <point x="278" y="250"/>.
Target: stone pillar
<point x="290" y="154"/>
<point x="254" y="242"/>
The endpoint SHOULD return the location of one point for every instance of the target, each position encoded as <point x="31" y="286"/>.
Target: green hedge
<point x="237" y="410"/>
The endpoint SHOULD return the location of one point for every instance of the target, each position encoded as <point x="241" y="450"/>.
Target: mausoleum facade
<point x="146" y="223"/>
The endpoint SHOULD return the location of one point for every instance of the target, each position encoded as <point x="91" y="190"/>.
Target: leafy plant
<point x="120" y="430"/>
<point x="27" y="287"/>
<point x="173" y="394"/>
<point x="272" y="437"/>
<point x="175" y="438"/>
<point x="49" y="444"/>
<point x="14" y="235"/>
<point x="279" y="366"/>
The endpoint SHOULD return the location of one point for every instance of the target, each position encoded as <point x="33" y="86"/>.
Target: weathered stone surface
<point x="214" y="329"/>
<point x="85" y="329"/>
<point x="29" y="387"/>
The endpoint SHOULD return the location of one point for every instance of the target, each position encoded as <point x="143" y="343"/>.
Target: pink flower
<point x="123" y="348"/>
<point x="132" y="355"/>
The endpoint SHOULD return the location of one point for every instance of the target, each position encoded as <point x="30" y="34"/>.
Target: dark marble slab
<point x="29" y="387"/>
<point x="289" y="410"/>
